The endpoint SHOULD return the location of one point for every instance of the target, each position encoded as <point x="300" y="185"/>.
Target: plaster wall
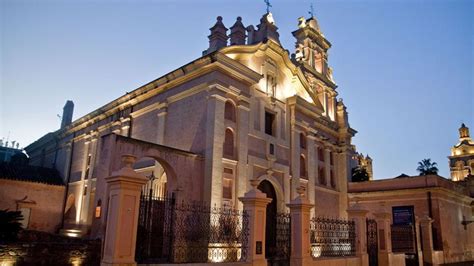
<point x="45" y="202"/>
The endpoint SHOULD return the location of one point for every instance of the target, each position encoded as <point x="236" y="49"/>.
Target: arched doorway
<point x="277" y="229"/>
<point x="270" y="228"/>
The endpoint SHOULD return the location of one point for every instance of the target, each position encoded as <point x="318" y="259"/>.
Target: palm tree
<point x="426" y="167"/>
<point x="359" y="174"/>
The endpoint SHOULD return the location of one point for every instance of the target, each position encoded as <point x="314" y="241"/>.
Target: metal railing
<point x="332" y="237"/>
<point x="190" y="233"/>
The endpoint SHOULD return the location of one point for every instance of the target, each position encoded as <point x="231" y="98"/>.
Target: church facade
<point x="245" y="110"/>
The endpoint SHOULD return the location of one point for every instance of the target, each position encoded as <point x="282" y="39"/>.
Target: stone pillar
<point x="427" y="239"/>
<point x="384" y="239"/>
<point x="421" y="255"/>
<point x="255" y="204"/>
<point x="215" y="129"/>
<point x="359" y="215"/>
<point x="124" y="188"/>
<point x="300" y="232"/>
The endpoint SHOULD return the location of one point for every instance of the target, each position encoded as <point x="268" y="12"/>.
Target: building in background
<point x="461" y="161"/>
<point x="409" y="199"/>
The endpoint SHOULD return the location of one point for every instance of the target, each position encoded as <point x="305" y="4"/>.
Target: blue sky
<point x="404" y="68"/>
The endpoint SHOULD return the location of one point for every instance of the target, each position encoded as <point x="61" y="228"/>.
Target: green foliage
<point x="426" y="167"/>
<point x="359" y="174"/>
<point x="9" y="225"/>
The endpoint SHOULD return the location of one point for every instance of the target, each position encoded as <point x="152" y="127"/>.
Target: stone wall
<point x="44" y="201"/>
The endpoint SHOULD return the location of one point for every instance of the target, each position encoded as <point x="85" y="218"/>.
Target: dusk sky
<point x="404" y="68"/>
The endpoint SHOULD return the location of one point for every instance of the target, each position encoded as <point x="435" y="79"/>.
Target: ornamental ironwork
<point x="372" y="242"/>
<point x="332" y="237"/>
<point x="279" y="239"/>
<point x="190" y="233"/>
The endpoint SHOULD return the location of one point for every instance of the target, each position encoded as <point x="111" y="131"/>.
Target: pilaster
<point x="213" y="152"/>
<point x="242" y="149"/>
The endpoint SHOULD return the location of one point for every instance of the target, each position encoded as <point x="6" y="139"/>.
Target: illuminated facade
<point x="461" y="161"/>
<point x="247" y="108"/>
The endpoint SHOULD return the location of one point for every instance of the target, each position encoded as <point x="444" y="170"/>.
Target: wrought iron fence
<point x="204" y="234"/>
<point x="332" y="237"/>
<point x="403" y="238"/>
<point x="190" y="233"/>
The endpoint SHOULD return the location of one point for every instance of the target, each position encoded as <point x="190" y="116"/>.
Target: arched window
<point x="321" y="154"/>
<point x="229" y="112"/>
<point x="229" y="144"/>
<point x="303" y="167"/>
<point x="322" y="176"/>
<point x="331" y="157"/>
<point x="302" y="141"/>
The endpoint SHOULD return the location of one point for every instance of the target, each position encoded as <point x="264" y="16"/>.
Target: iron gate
<point x="154" y="236"/>
<point x="278" y="239"/>
<point x="372" y="242"/>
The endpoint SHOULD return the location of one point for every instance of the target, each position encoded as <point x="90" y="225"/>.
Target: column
<point x="312" y="162"/>
<point x="242" y="149"/>
<point x="300" y="232"/>
<point x="359" y="216"/>
<point x="255" y="204"/>
<point x="124" y="188"/>
<point x="384" y="239"/>
<point x="417" y="232"/>
<point x="213" y="153"/>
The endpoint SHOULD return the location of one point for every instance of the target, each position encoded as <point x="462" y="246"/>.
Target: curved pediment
<point x="270" y="59"/>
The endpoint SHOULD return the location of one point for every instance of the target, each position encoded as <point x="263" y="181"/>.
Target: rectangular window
<point x="269" y="123"/>
<point x="227" y="188"/>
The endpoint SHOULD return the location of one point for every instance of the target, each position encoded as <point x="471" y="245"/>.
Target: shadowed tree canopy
<point x="359" y="174"/>
<point x="426" y="167"/>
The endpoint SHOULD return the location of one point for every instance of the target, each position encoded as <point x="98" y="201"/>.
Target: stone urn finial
<point x="300" y="190"/>
<point x="128" y="160"/>
<point x="254" y="183"/>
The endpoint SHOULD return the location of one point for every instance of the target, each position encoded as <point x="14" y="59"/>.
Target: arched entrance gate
<point x="277" y="229"/>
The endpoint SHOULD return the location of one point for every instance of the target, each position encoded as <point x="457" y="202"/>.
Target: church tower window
<point x="270" y="123"/>
<point x="229" y="111"/>
<point x="229" y="144"/>
<point x="303" y="167"/>
<point x="302" y="141"/>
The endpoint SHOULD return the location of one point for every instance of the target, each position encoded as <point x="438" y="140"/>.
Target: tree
<point x="359" y="174"/>
<point x="9" y="225"/>
<point x="426" y="167"/>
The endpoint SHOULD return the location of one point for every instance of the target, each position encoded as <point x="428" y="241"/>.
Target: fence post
<point x="384" y="239"/>
<point x="427" y="239"/>
<point x="359" y="216"/>
<point x="419" y="251"/>
<point x="300" y="209"/>
<point x="124" y="188"/>
<point x="255" y="204"/>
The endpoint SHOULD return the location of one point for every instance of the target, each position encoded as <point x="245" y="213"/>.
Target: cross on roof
<point x="311" y="10"/>
<point x="267" y="2"/>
